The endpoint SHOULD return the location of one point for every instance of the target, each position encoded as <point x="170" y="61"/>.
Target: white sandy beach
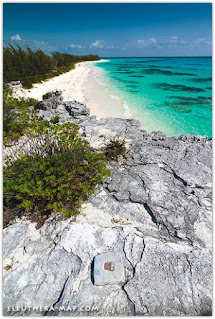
<point x="80" y="84"/>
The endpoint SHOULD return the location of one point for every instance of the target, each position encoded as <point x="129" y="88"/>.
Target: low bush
<point x="115" y="148"/>
<point x="55" y="119"/>
<point x="16" y="117"/>
<point x="47" y="95"/>
<point x="57" y="178"/>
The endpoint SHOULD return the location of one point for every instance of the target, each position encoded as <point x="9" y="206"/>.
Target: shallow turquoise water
<point x="173" y="95"/>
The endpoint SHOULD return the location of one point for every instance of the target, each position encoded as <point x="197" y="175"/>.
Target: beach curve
<point x="73" y="84"/>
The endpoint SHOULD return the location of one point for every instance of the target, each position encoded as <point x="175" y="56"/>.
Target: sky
<point x="111" y="29"/>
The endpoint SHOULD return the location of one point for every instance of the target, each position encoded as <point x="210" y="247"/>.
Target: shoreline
<point x="100" y="98"/>
<point x="90" y="84"/>
<point x="86" y="84"/>
<point x="73" y="84"/>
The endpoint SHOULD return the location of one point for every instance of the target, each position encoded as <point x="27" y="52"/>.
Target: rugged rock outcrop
<point x="50" y="103"/>
<point x="155" y="210"/>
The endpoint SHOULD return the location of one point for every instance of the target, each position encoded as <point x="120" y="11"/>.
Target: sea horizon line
<point x="145" y="57"/>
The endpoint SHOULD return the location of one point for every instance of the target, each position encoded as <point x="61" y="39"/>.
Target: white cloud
<point x="173" y="41"/>
<point x="201" y="41"/>
<point x="39" y="42"/>
<point x="97" y="44"/>
<point x="16" y="37"/>
<point x="77" y="46"/>
<point x="111" y="46"/>
<point x="147" y="42"/>
<point x="153" y="40"/>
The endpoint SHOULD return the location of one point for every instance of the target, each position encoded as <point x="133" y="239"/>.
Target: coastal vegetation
<point x="115" y="148"/>
<point x="47" y="95"/>
<point x="55" y="119"/>
<point x="30" y="66"/>
<point x="57" y="177"/>
<point x="16" y="117"/>
<point x="60" y="171"/>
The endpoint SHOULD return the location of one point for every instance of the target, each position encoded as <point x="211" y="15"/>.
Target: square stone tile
<point x="109" y="269"/>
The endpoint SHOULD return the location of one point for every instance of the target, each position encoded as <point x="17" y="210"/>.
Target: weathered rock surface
<point x="155" y="210"/>
<point x="50" y="103"/>
<point x="76" y="109"/>
<point x="15" y="84"/>
<point x="16" y="87"/>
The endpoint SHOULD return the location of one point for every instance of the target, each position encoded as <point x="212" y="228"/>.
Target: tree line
<point x="30" y="66"/>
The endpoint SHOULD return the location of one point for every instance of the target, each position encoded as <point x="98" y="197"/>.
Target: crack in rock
<point x="161" y="189"/>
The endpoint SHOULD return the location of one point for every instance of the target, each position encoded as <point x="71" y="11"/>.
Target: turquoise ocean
<point x="172" y="95"/>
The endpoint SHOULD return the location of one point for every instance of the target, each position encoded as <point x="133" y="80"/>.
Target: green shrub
<point x="16" y="117"/>
<point x="58" y="177"/>
<point x="27" y="83"/>
<point x="115" y="148"/>
<point x="55" y="119"/>
<point x="47" y="95"/>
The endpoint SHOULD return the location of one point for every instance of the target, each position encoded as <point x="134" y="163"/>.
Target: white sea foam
<point x="114" y="97"/>
<point x="100" y="82"/>
<point x="126" y="109"/>
<point x="103" y="60"/>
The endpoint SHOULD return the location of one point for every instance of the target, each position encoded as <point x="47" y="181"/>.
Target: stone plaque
<point x="109" y="269"/>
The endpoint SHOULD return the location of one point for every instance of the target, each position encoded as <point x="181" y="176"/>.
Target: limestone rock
<point x="76" y="109"/>
<point x="155" y="210"/>
<point x="161" y="276"/>
<point x="15" y="84"/>
<point x="50" y="103"/>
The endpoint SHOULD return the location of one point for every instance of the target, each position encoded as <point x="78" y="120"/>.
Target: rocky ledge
<point x="154" y="214"/>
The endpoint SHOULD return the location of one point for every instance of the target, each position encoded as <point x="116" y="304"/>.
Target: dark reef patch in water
<point x="166" y="72"/>
<point x="183" y="98"/>
<point x="123" y="81"/>
<point x="151" y="66"/>
<point x="209" y="88"/>
<point x="132" y="86"/>
<point x="177" y="87"/>
<point x="136" y="76"/>
<point x="115" y="78"/>
<point x="203" y="117"/>
<point x="148" y="61"/>
<point x="147" y="66"/>
<point x="180" y="103"/>
<point x="177" y="107"/>
<point x="131" y="81"/>
<point x="183" y="101"/>
<point x="201" y="80"/>
<point x="125" y="72"/>
<point x="206" y="98"/>
<point x="200" y="100"/>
